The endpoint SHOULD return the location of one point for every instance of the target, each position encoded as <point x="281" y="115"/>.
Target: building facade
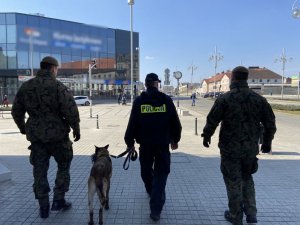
<point x="26" y="39"/>
<point x="259" y="79"/>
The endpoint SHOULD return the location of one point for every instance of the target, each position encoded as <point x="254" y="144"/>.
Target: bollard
<point x="196" y="131"/>
<point x="97" y="121"/>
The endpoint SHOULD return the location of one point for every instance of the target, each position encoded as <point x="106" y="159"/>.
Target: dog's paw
<point x="91" y="223"/>
<point x="106" y="207"/>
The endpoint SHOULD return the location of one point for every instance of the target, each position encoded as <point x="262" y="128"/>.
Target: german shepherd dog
<point x="99" y="181"/>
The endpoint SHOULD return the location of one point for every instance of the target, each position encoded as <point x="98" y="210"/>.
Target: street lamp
<point x="178" y="76"/>
<point x="131" y="3"/>
<point x="283" y="59"/>
<point x="31" y="33"/>
<point x="92" y="65"/>
<point x="216" y="57"/>
<point x="193" y="68"/>
<point x="295" y="10"/>
<point x="298" y="84"/>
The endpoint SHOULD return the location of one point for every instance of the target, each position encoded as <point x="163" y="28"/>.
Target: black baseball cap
<point x="152" y="77"/>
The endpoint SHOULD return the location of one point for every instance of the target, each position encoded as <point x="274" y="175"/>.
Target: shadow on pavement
<point x="195" y="193"/>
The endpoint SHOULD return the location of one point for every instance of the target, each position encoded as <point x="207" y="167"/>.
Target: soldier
<point x="52" y="111"/>
<point x="241" y="111"/>
<point x="155" y="125"/>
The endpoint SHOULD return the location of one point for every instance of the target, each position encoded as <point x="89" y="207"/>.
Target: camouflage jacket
<point x="51" y="108"/>
<point x="240" y="111"/>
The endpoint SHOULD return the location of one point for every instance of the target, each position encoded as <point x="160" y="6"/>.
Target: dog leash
<point x="131" y="155"/>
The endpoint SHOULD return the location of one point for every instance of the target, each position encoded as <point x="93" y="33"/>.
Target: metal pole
<point x="131" y="54"/>
<point x="298" y="84"/>
<point x="31" y="53"/>
<point x="215" y="71"/>
<point x="178" y="93"/>
<point x="90" y="88"/>
<point x="283" y="58"/>
<point x="196" y="129"/>
<point x="97" y="121"/>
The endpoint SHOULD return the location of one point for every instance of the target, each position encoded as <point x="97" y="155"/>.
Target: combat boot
<point x="230" y="219"/>
<point x="44" y="211"/>
<point x="60" y="204"/>
<point x="251" y="219"/>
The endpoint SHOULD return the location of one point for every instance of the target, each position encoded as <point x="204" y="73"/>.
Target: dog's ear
<point x="106" y="147"/>
<point x="96" y="147"/>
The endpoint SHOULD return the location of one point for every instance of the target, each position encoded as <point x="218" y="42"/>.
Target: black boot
<point x="230" y="219"/>
<point x="251" y="219"/>
<point x="61" y="204"/>
<point x="44" y="211"/>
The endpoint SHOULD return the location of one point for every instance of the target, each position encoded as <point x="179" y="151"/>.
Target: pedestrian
<point x="124" y="99"/>
<point x="193" y="97"/>
<point x="5" y="101"/>
<point x="241" y="111"/>
<point x="52" y="112"/>
<point x="119" y="98"/>
<point x="154" y="124"/>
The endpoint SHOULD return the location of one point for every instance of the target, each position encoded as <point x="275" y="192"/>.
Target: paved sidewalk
<point x="195" y="190"/>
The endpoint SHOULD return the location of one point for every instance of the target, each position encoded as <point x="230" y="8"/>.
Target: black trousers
<point x="155" y="167"/>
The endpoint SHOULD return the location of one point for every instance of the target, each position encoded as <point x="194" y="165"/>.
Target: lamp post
<point x="131" y="3"/>
<point x="216" y="57"/>
<point x="295" y="10"/>
<point x="192" y="68"/>
<point x="92" y="65"/>
<point x="282" y="59"/>
<point x="138" y="70"/>
<point x="31" y="33"/>
<point x="298" y="84"/>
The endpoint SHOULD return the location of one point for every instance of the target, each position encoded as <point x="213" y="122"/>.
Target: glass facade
<point x="26" y="39"/>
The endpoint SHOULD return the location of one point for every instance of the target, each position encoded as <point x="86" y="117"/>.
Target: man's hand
<point x="206" y="140"/>
<point x="265" y="148"/>
<point x="174" y="146"/>
<point x="76" y="135"/>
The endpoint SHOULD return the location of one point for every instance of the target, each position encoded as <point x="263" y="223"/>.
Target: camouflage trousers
<point x="237" y="174"/>
<point x="62" y="152"/>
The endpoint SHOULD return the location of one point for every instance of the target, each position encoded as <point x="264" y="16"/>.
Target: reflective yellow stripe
<point x="151" y="109"/>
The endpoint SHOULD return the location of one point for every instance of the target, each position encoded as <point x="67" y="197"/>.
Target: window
<point x="2" y="18"/>
<point x="260" y="80"/>
<point x="10" y="18"/>
<point x="12" y="59"/>
<point x="11" y="34"/>
<point x="2" y="34"/>
<point x="3" y="60"/>
<point x="253" y="80"/>
<point x="268" y="80"/>
<point x="65" y="61"/>
<point x="275" y="80"/>
<point x="23" y="60"/>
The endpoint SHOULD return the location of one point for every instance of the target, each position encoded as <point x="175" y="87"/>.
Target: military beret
<point x="240" y="73"/>
<point x="50" y="60"/>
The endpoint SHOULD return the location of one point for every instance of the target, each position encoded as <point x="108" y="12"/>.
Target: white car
<point x="82" y="100"/>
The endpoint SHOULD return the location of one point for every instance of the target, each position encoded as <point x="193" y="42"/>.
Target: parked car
<point x="208" y="94"/>
<point x="82" y="100"/>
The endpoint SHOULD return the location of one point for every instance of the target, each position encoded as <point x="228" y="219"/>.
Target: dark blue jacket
<point x="153" y="120"/>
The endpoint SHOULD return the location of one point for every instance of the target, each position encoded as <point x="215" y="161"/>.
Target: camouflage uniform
<point x="52" y="111"/>
<point x="241" y="111"/>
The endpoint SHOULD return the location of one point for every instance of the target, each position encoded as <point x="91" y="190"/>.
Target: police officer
<point x="241" y="112"/>
<point x="154" y="124"/>
<point x="52" y="112"/>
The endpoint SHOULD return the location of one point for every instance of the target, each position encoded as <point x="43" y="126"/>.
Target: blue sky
<point x="176" y="33"/>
